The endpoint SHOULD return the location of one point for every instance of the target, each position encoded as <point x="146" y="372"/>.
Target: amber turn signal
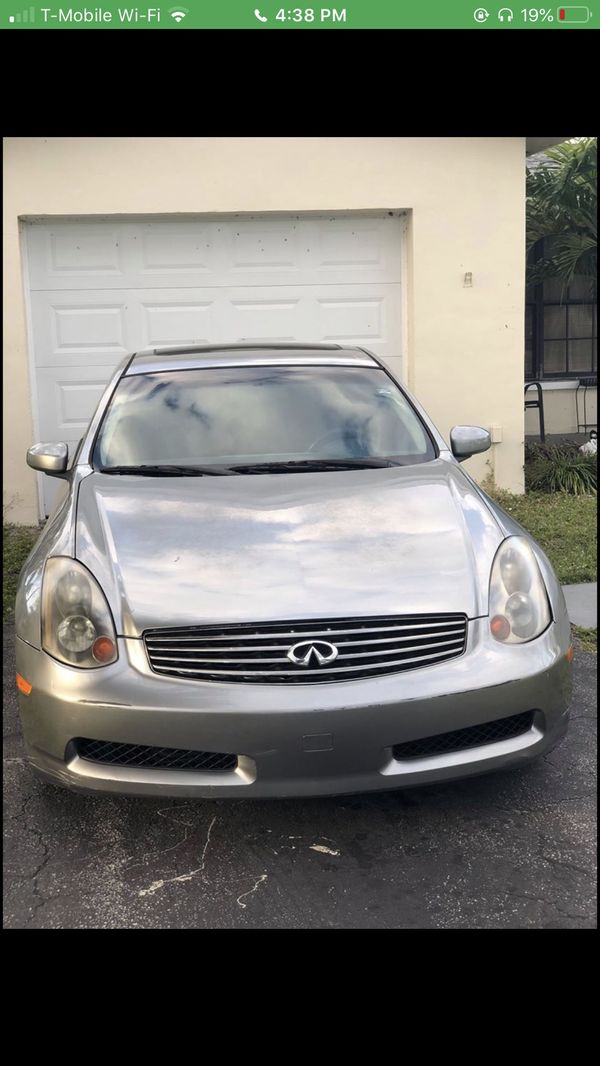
<point x="23" y="685"/>
<point x="103" y="649"/>
<point x="570" y="654"/>
<point x="500" y="627"/>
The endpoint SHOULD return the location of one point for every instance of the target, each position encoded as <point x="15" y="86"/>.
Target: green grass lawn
<point x="564" y="526"/>
<point x="18" y="542"/>
<point x="587" y="638"/>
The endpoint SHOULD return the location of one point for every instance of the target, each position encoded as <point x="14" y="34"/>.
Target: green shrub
<point x="588" y="638"/>
<point x="537" y="450"/>
<point x="560" y="468"/>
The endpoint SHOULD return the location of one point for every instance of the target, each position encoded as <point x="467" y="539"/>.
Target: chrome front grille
<point x="258" y="654"/>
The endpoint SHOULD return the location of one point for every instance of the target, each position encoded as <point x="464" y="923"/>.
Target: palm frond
<point x="561" y="214"/>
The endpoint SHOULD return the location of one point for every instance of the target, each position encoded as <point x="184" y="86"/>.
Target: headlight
<point x="519" y="609"/>
<point x="77" y="626"/>
<point x="73" y="592"/>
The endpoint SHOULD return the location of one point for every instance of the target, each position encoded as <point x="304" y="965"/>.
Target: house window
<point x="561" y="330"/>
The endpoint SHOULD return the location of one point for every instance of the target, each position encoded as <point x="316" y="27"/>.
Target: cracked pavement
<point x="506" y="850"/>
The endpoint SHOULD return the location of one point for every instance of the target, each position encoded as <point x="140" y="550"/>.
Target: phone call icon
<point x="261" y="18"/>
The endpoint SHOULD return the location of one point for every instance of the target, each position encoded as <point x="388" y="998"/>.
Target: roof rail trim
<point x="190" y="349"/>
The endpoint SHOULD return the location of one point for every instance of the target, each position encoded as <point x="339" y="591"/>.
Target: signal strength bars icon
<point x="24" y="16"/>
<point x="178" y="13"/>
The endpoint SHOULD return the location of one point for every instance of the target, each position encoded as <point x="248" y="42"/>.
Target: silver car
<point x="271" y="576"/>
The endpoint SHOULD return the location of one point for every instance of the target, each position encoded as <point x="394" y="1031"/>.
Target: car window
<point x="259" y="414"/>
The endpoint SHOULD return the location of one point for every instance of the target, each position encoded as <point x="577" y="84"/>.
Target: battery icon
<point x="573" y="14"/>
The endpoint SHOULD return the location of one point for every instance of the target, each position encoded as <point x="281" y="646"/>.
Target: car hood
<point x="249" y="548"/>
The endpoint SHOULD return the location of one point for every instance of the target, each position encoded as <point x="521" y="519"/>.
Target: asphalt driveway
<point x="510" y="850"/>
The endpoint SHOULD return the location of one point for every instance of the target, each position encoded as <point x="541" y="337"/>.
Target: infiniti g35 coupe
<point x="271" y="576"/>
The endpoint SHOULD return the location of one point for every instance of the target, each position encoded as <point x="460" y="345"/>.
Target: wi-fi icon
<point x="178" y="13"/>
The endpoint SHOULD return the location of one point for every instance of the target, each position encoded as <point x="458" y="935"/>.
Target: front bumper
<point x="301" y="740"/>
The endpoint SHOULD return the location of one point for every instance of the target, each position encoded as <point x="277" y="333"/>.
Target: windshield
<point x="216" y="417"/>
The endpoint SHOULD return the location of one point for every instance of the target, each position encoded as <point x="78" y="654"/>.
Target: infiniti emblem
<point x="312" y="653"/>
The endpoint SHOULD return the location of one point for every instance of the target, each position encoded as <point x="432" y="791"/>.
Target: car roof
<point x="188" y="357"/>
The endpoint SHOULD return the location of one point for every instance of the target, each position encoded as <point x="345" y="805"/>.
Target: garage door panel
<point x="90" y="249"/>
<point x="352" y="319"/>
<point x="345" y="315"/>
<point x="264" y="316"/>
<point x="350" y="245"/>
<point x="72" y="395"/>
<point x="92" y="328"/>
<point x="271" y="251"/>
<point x="265" y="246"/>
<point x="217" y="253"/>
<point x="177" y="249"/>
<point x="327" y="251"/>
<point x="77" y="255"/>
<point x="244" y="251"/>
<point x="178" y="322"/>
<point x="73" y="327"/>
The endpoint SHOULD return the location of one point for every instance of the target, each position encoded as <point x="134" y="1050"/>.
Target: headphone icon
<point x="505" y="12"/>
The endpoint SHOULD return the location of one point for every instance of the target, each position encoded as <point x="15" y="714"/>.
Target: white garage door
<point x="101" y="289"/>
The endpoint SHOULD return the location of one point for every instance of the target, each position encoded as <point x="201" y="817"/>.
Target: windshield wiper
<point x="285" y="466"/>
<point x="289" y="466"/>
<point x="148" y="470"/>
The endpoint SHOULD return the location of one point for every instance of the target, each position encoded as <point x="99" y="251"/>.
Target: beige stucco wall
<point x="560" y="410"/>
<point x="465" y="198"/>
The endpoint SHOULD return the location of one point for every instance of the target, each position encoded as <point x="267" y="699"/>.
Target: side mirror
<point x="468" y="440"/>
<point x="50" y="459"/>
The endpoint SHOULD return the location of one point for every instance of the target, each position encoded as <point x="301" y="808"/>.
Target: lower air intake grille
<point x="472" y="737"/>
<point x="347" y="649"/>
<point x="151" y="758"/>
